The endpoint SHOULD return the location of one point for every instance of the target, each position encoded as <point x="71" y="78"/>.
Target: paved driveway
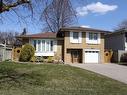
<point x="113" y="71"/>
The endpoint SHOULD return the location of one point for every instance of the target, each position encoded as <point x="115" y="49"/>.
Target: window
<point x="34" y="44"/>
<point x="51" y="48"/>
<point x="43" y="45"/>
<point x="93" y="36"/>
<point x="39" y="45"/>
<point x="47" y="46"/>
<point x="75" y="35"/>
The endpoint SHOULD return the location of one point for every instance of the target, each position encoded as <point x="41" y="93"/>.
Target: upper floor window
<point x="75" y="37"/>
<point x="92" y="38"/>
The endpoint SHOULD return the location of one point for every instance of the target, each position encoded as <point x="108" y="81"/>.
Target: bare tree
<point x="6" y="5"/>
<point x="122" y="25"/>
<point x="57" y="14"/>
<point x="53" y="13"/>
<point x="9" y="37"/>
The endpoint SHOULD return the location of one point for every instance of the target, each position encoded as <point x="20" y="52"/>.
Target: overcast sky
<point x="100" y="14"/>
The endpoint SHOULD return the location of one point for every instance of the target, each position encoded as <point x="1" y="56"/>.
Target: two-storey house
<point x="73" y="44"/>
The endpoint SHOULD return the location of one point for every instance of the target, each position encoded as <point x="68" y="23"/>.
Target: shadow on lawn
<point x="12" y="77"/>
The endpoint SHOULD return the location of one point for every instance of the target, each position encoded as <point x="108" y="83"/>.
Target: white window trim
<point x="79" y="40"/>
<point x="98" y="41"/>
<point x="37" y="45"/>
<point x="46" y="40"/>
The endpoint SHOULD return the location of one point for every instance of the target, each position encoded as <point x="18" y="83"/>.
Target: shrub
<point x="41" y="59"/>
<point x="27" y="53"/>
<point x="50" y="59"/>
<point x="33" y="59"/>
<point x="123" y="57"/>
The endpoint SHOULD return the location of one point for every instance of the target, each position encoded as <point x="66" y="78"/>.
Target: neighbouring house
<point x="117" y="42"/>
<point x="72" y="44"/>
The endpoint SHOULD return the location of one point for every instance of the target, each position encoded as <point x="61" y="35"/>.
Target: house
<point x="72" y="44"/>
<point x="117" y="42"/>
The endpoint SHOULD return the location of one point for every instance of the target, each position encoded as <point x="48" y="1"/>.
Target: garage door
<point x="91" y="56"/>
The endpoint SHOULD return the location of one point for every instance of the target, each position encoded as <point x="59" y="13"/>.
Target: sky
<point x="99" y="14"/>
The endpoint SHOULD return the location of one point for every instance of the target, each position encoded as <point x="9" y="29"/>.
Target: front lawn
<point x="54" y="79"/>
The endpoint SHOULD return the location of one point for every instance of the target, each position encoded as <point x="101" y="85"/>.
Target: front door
<point x="75" y="56"/>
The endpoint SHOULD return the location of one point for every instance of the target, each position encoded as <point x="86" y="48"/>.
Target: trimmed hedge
<point x="27" y="53"/>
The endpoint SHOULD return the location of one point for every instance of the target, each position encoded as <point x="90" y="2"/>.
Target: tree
<point x="57" y="14"/>
<point x="122" y="25"/>
<point x="53" y="13"/>
<point x="6" y="5"/>
<point x="8" y="36"/>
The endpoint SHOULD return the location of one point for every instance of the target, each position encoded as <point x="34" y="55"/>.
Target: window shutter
<point x="71" y="37"/>
<point x="80" y="37"/>
<point x="99" y="38"/>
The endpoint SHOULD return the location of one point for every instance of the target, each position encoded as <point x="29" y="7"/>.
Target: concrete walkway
<point x="113" y="71"/>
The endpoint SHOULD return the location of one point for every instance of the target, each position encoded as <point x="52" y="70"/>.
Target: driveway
<point x="113" y="71"/>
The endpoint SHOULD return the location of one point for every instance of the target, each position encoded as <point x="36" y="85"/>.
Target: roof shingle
<point x="40" y="35"/>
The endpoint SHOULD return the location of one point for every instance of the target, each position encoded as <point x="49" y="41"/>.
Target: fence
<point x="5" y="53"/>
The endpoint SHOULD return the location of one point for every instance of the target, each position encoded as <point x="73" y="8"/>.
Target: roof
<point x="83" y="29"/>
<point x="54" y="34"/>
<point x="117" y="32"/>
<point x="40" y="35"/>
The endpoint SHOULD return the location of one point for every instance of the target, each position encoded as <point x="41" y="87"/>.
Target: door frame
<point x="78" y="52"/>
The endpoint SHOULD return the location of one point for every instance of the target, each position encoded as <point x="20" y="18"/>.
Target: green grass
<point x="54" y="79"/>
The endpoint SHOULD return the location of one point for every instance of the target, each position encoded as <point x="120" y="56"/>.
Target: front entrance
<point x="76" y="56"/>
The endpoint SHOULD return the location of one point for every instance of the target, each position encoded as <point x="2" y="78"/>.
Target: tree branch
<point x="4" y="7"/>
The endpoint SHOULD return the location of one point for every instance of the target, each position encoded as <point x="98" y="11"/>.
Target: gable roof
<point x="40" y="35"/>
<point x="83" y="29"/>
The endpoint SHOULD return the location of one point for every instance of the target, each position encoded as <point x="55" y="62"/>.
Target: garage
<point x="91" y="56"/>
